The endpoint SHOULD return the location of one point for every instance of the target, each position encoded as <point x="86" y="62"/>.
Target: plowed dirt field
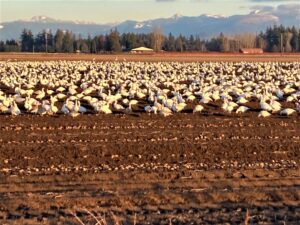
<point x="147" y="169"/>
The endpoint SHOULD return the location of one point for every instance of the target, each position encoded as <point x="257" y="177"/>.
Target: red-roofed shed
<point x="251" y="51"/>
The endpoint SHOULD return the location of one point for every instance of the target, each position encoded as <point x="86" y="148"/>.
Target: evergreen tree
<point x="89" y="42"/>
<point x="199" y="47"/>
<point x="179" y="44"/>
<point x="84" y="47"/>
<point x="113" y="41"/>
<point x="101" y="43"/>
<point x="94" y="45"/>
<point x="273" y="39"/>
<point x="171" y="43"/>
<point x="27" y="41"/>
<point x="58" y="40"/>
<point x="12" y="46"/>
<point x="129" y="41"/>
<point x="213" y="44"/>
<point x="77" y="43"/>
<point x="50" y="41"/>
<point x="261" y="41"/>
<point x="67" y="42"/>
<point x="2" y="46"/>
<point x="223" y="43"/>
<point x="294" y="41"/>
<point x="191" y="44"/>
<point x="44" y="41"/>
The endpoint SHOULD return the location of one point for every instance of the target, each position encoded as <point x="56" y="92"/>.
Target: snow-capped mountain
<point x="204" y="25"/>
<point x="12" y="30"/>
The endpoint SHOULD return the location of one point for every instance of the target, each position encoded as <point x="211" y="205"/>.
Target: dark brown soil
<point x="147" y="169"/>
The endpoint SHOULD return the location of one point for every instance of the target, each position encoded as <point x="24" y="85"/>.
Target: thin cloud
<point x="284" y="12"/>
<point x="283" y="9"/>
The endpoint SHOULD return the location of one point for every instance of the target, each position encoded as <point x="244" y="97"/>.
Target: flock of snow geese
<point x="77" y="87"/>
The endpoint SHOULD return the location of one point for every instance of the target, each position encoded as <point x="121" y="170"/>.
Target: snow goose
<point x="287" y="111"/>
<point x="242" y="109"/>
<point x="165" y="111"/>
<point x="198" y="108"/>
<point x="14" y="109"/>
<point x="264" y="114"/>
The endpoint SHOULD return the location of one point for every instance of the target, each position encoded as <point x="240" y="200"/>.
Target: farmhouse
<point x="142" y="50"/>
<point x="251" y="51"/>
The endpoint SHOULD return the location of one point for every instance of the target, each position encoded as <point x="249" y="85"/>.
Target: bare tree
<point x="261" y="42"/>
<point x="245" y="40"/>
<point x="157" y="39"/>
<point x="288" y="37"/>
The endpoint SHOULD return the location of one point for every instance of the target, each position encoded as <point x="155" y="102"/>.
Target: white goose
<point x="165" y="111"/>
<point x="78" y="107"/>
<point x="198" y="108"/>
<point x="242" y="109"/>
<point x="264" y="114"/>
<point x="14" y="109"/>
<point x="287" y="112"/>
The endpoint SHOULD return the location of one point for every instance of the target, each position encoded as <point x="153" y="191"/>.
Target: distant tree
<point x="101" y="43"/>
<point x="170" y="43"/>
<point x="67" y="42"/>
<point x="233" y="45"/>
<point x="2" y="44"/>
<point x="84" y="47"/>
<point x="143" y="40"/>
<point x="113" y="41"/>
<point x="39" y="42"/>
<point x="223" y="43"/>
<point x="27" y="41"/>
<point x="261" y="41"/>
<point x="94" y="45"/>
<point x="179" y="44"/>
<point x="157" y="39"/>
<point x="213" y="44"/>
<point x="44" y="41"/>
<point x="199" y="45"/>
<point x="294" y="41"/>
<point x="51" y="42"/>
<point x="129" y="41"/>
<point x="58" y="40"/>
<point x="245" y="40"/>
<point x="89" y="42"/>
<point x="287" y="41"/>
<point x="12" y="46"/>
<point x="273" y="37"/>
<point x="77" y="43"/>
<point x="191" y="45"/>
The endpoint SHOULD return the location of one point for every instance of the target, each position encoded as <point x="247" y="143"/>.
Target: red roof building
<point x="251" y="51"/>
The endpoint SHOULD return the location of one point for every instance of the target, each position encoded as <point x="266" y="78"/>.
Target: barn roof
<point x="142" y="49"/>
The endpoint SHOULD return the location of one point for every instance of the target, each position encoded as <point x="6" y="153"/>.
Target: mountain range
<point x="204" y="25"/>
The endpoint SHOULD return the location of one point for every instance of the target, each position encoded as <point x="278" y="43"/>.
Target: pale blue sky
<point x="110" y="11"/>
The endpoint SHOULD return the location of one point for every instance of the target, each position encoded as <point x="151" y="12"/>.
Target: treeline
<point x="274" y="39"/>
